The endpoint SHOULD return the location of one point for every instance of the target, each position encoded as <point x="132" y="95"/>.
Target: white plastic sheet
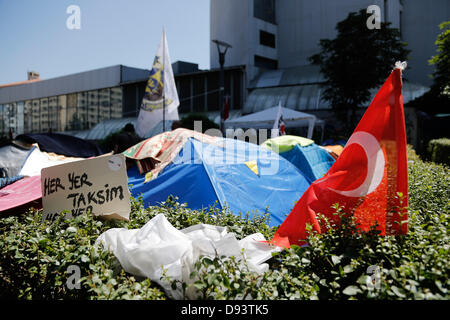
<point x="158" y="245"/>
<point x="38" y="160"/>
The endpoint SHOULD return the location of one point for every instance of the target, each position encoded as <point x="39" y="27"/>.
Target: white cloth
<point x="157" y="245"/>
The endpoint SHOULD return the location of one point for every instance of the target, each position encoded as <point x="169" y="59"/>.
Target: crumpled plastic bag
<point x="158" y="245"/>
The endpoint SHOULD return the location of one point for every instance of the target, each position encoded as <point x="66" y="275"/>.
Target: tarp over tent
<point x="307" y="156"/>
<point x="62" y="144"/>
<point x="11" y="158"/>
<point x="241" y="176"/>
<point x="24" y="192"/>
<point x="37" y="160"/>
<point x="266" y="118"/>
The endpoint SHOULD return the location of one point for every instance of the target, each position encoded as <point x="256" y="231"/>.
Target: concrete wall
<point x="302" y="23"/>
<point x="229" y="22"/>
<point x="233" y="21"/>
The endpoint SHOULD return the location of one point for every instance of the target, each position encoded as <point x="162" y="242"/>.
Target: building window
<point x="36" y="116"/>
<point x="71" y="112"/>
<point x="93" y="109"/>
<point x="104" y="104"/>
<point x="264" y="10"/>
<point x="62" y="112"/>
<point x="28" y="117"/>
<point x="44" y="115"/>
<point x="266" y="39"/>
<point x="79" y="121"/>
<point x="53" y="114"/>
<point x="116" y="103"/>
<point x="265" y="63"/>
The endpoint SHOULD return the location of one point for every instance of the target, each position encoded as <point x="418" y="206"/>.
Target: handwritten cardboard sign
<point x="98" y="185"/>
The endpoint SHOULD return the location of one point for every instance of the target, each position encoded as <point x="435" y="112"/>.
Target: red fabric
<point x="226" y="113"/>
<point x="282" y="129"/>
<point x="365" y="179"/>
<point x="21" y="192"/>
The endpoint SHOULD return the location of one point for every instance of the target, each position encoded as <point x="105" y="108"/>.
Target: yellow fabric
<point x="252" y="165"/>
<point x="148" y="176"/>
<point x="286" y="143"/>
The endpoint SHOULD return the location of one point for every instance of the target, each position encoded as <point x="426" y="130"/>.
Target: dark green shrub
<point x="343" y="263"/>
<point x="439" y="150"/>
<point x="189" y="121"/>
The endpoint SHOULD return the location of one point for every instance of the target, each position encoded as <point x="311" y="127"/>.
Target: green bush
<point x="339" y="264"/>
<point x="439" y="150"/>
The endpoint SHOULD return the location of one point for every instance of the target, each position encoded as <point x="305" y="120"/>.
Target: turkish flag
<point x="369" y="179"/>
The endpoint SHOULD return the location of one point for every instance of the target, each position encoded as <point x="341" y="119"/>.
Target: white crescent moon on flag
<point x="375" y="164"/>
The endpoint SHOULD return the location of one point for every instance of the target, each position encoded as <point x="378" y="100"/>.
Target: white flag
<point x="160" y="85"/>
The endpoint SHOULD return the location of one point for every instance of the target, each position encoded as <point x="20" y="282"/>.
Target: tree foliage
<point x="441" y="61"/>
<point x="356" y="61"/>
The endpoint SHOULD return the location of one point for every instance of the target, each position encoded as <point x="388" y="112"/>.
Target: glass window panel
<point x="35" y="120"/>
<point x="10" y="117"/>
<point x="116" y="103"/>
<point x="44" y="115"/>
<point x="20" y="106"/>
<point x="81" y="118"/>
<point x="93" y="109"/>
<point x="62" y="108"/>
<point x="53" y="113"/>
<point x="104" y="105"/>
<point x="28" y="117"/>
<point x="71" y="112"/>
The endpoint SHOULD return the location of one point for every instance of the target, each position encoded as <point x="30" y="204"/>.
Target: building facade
<point x="279" y="34"/>
<point x="79" y="101"/>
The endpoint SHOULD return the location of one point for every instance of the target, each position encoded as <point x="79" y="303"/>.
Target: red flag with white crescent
<point x="369" y="179"/>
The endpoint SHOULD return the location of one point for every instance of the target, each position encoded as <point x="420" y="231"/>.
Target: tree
<point x="356" y="61"/>
<point x="441" y="75"/>
<point x="189" y="121"/>
<point x="437" y="99"/>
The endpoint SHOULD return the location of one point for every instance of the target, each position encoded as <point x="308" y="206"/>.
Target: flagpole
<point x="163" y="80"/>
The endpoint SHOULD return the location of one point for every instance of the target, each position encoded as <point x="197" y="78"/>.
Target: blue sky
<point x="34" y="36"/>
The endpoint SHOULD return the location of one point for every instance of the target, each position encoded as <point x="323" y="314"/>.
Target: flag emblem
<point x="160" y="101"/>
<point x="153" y="97"/>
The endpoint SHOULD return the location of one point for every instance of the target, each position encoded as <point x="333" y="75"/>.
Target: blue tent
<point x="312" y="160"/>
<point x="203" y="175"/>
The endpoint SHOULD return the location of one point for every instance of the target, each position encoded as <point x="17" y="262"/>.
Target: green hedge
<point x="339" y="264"/>
<point x="439" y="150"/>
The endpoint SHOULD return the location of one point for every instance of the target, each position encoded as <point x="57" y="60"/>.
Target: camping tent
<point x="308" y="157"/>
<point x="18" y="196"/>
<point x="11" y="158"/>
<point x="229" y="173"/>
<point x="266" y="118"/>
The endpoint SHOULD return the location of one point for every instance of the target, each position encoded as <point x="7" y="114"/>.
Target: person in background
<point x="127" y="138"/>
